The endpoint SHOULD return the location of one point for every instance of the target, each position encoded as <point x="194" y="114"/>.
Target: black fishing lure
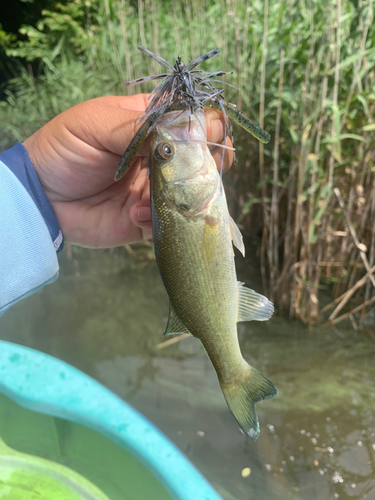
<point x="180" y="83"/>
<point x="184" y="88"/>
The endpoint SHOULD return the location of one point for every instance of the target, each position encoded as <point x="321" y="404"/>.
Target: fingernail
<point x="216" y="130"/>
<point x="144" y="214"/>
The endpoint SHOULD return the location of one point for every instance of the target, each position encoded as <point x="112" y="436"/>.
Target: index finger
<point x="122" y="117"/>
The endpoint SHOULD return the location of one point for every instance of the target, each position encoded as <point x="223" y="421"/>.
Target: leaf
<point x="369" y="127"/>
<point x="352" y="59"/>
<point x="336" y="118"/>
<point x="325" y="191"/>
<point x="293" y="134"/>
<point x="57" y="50"/>
<point x="363" y="101"/>
<point x="342" y="137"/>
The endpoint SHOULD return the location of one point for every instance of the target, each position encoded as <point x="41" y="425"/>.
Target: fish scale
<point x="193" y="249"/>
<point x="205" y="287"/>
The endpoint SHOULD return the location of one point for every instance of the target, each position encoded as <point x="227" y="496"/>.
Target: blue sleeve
<point x="29" y="232"/>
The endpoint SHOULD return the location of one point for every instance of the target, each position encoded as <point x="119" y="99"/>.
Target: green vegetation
<point x="306" y="72"/>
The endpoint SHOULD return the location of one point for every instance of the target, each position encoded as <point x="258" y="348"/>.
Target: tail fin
<point x="241" y="395"/>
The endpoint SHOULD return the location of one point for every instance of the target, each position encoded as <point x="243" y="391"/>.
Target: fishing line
<point x="205" y="142"/>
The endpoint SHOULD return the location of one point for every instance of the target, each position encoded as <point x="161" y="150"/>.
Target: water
<point x="112" y="469"/>
<point x="105" y="315"/>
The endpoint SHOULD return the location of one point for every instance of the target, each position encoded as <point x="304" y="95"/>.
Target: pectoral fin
<point x="253" y="306"/>
<point x="174" y="325"/>
<point x="236" y="236"/>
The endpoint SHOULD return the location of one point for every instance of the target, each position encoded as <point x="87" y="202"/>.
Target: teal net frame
<point x="48" y="385"/>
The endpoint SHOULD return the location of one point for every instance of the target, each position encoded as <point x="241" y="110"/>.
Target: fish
<point x="193" y="240"/>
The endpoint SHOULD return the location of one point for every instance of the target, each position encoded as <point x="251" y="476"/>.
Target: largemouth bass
<point x="193" y="236"/>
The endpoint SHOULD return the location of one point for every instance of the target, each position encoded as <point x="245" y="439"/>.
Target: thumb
<point x="140" y="215"/>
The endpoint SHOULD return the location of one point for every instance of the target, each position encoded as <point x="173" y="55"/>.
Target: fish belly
<point x="196" y="263"/>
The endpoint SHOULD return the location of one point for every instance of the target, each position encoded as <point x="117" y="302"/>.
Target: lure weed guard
<point x="55" y="423"/>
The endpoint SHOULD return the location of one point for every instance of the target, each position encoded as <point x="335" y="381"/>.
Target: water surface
<point x="112" y="469"/>
<point x="105" y="315"/>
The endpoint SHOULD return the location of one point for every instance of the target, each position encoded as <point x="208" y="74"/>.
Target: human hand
<point x="76" y="155"/>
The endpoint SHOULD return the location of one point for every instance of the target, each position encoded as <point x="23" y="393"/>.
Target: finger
<point x="122" y="117"/>
<point x="105" y="124"/>
<point x="112" y="123"/>
<point x="214" y="125"/>
<point x="140" y="215"/>
<point x="140" y="211"/>
<point x="215" y="134"/>
<point x="137" y="104"/>
<point x="217" y="154"/>
<point x="94" y="133"/>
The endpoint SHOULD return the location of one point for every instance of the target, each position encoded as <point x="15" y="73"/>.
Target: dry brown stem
<point x="348" y="314"/>
<point x="174" y="340"/>
<point x="361" y="246"/>
<point x="343" y="299"/>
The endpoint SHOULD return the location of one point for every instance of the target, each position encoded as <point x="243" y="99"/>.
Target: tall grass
<point x="306" y="73"/>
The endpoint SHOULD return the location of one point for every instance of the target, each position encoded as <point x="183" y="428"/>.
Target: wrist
<point x="18" y="161"/>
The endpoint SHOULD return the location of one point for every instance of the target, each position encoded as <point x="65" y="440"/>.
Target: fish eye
<point x="164" y="151"/>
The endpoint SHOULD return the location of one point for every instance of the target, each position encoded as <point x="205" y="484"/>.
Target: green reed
<point x="306" y="74"/>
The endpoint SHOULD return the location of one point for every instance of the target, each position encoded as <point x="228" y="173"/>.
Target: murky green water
<point x="112" y="469"/>
<point x="105" y="315"/>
